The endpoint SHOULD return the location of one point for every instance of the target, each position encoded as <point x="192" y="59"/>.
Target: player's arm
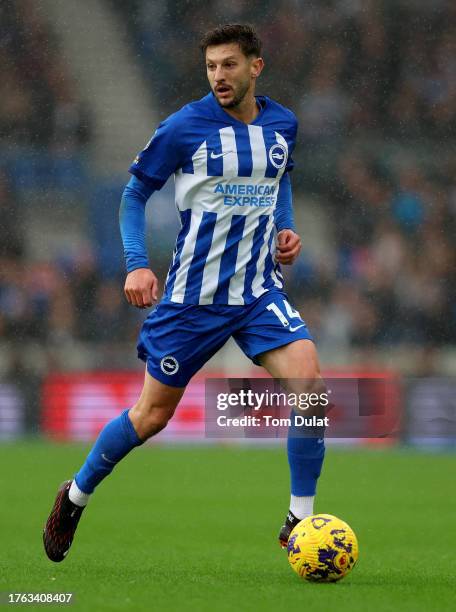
<point x="288" y="242"/>
<point x="141" y="285"/>
<point x="151" y="169"/>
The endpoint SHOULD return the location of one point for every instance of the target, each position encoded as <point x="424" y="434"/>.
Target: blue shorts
<point x="176" y="339"/>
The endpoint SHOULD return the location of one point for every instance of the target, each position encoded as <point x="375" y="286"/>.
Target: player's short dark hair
<point x="244" y="35"/>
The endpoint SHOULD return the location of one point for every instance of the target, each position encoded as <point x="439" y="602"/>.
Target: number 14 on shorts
<point x="291" y="314"/>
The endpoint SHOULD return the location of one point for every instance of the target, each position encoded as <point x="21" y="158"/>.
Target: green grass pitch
<point x="195" y="528"/>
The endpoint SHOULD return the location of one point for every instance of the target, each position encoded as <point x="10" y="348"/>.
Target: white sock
<point x="302" y="507"/>
<point x="77" y="496"/>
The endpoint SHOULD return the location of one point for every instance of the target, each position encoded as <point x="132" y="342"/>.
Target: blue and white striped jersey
<point x="227" y="176"/>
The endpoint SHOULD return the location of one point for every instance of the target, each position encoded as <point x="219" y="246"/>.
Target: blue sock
<point x="116" y="439"/>
<point x="305" y="457"/>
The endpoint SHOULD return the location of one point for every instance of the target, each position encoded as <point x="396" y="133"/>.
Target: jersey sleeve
<point x="132" y="223"/>
<point x="161" y="156"/>
<point x="283" y="212"/>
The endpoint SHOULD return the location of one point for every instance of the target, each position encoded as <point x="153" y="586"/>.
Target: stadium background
<point x="84" y="84"/>
<point x="374" y="87"/>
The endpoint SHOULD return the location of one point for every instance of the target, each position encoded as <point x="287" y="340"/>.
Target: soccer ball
<point x="322" y="548"/>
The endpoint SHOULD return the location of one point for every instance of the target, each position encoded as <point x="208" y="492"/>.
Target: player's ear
<point x="256" y="67"/>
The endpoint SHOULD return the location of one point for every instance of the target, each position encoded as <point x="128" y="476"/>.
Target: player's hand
<point x="141" y="288"/>
<point x="288" y="246"/>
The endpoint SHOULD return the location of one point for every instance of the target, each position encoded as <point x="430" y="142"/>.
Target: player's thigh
<point x="298" y="359"/>
<point x="296" y="365"/>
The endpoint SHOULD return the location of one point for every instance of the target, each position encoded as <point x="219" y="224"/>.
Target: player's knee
<point x="314" y="393"/>
<point x="311" y="382"/>
<point x="314" y="384"/>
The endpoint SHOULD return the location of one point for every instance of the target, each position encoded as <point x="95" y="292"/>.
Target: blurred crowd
<point x="55" y="301"/>
<point x="38" y="104"/>
<point x="389" y="275"/>
<point x="359" y="75"/>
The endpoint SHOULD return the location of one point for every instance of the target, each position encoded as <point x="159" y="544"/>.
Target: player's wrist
<point x="137" y="267"/>
<point x="287" y="227"/>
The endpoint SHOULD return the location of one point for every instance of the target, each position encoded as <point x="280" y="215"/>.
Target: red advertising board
<point x="75" y="406"/>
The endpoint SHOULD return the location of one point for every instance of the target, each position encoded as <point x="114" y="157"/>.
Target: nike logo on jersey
<point x="217" y="155"/>
<point x="292" y="329"/>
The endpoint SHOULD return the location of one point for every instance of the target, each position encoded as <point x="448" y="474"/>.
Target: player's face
<point x="231" y="74"/>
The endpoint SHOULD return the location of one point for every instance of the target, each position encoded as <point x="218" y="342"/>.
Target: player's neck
<point x="247" y="111"/>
